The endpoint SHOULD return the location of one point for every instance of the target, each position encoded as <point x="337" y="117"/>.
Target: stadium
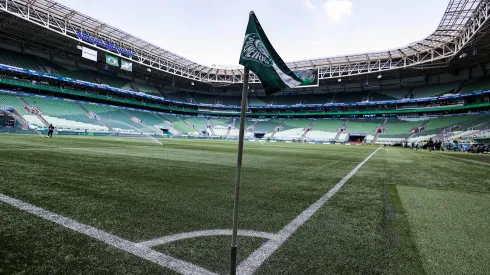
<point x="339" y="174"/>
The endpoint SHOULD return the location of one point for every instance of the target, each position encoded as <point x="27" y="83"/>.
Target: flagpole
<point x="241" y="135"/>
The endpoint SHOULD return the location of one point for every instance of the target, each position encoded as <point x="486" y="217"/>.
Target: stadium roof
<point x="461" y="22"/>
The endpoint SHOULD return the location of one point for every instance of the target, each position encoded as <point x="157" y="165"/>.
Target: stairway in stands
<point x="339" y="130"/>
<point x="98" y="118"/>
<point x="379" y="132"/>
<point x="252" y="127"/>
<point x="277" y="129"/>
<point x="230" y="127"/>
<point x="210" y="126"/>
<point x="38" y="114"/>
<point x="171" y="129"/>
<point x="423" y="125"/>
<point x="307" y="129"/>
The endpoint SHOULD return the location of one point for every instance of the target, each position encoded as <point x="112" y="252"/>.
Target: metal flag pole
<point x="241" y="135"/>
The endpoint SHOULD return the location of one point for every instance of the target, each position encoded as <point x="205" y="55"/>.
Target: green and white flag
<point x="259" y="56"/>
<point x="111" y="60"/>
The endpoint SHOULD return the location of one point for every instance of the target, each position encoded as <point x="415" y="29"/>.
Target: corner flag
<point x="259" y="56"/>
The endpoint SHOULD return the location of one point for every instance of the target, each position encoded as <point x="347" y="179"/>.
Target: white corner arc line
<point x="205" y="233"/>
<point x="258" y="257"/>
<point x="146" y="253"/>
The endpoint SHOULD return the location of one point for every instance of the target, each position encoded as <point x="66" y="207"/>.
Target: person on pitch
<point x="50" y="130"/>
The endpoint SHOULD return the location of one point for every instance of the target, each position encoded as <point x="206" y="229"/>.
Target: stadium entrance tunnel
<point x="357" y="137"/>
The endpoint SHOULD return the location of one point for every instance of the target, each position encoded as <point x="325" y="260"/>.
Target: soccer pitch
<point x="108" y="205"/>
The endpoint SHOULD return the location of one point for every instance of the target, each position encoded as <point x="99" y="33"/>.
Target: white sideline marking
<point x="146" y="253"/>
<point x="205" y="233"/>
<point x="258" y="257"/>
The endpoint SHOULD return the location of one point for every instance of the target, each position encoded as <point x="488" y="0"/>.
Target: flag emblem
<point x="254" y="50"/>
<point x="259" y="56"/>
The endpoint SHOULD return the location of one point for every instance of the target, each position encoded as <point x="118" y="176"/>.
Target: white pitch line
<point x="205" y="233"/>
<point x="258" y="257"/>
<point x="146" y="253"/>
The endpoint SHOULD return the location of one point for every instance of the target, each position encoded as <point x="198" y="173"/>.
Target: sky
<point x="211" y="32"/>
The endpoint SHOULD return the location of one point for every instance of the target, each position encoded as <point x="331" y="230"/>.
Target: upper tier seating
<point x="71" y="72"/>
<point x="41" y="65"/>
<point x="476" y="85"/>
<point x="20" y="60"/>
<point x="257" y="101"/>
<point x="435" y="89"/>
<point x="178" y="96"/>
<point x="392" y="94"/>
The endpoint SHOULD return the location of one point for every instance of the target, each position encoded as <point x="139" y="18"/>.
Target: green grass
<point x="446" y="222"/>
<point x="138" y="190"/>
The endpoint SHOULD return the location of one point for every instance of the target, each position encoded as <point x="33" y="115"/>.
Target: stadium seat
<point x="476" y="85"/>
<point x="366" y="126"/>
<point x="399" y="128"/>
<point x="12" y="101"/>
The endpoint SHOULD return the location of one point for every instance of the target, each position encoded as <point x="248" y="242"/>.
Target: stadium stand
<point x="367" y="126"/>
<point x="177" y="124"/>
<point x="392" y="94"/>
<point x="142" y="88"/>
<point x="287" y="100"/>
<point x="257" y="101"/>
<point x="350" y="97"/>
<point x="436" y="89"/>
<point x="68" y="71"/>
<point x="111" y="81"/>
<point x="439" y="124"/>
<point x="64" y="115"/>
<point x="266" y="126"/>
<point x="12" y="101"/>
<point x="204" y="99"/>
<point x="177" y="96"/>
<point x="327" y="125"/>
<point x="475" y="85"/>
<point x="20" y="60"/>
<point x="145" y="117"/>
<point x="399" y="128"/>
<point x="113" y="117"/>
<point x="198" y="123"/>
<point x="297" y="123"/>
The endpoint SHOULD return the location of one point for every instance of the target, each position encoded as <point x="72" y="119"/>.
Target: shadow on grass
<point x="400" y="244"/>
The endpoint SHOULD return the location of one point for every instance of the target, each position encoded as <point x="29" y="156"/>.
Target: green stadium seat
<point x="398" y="128"/>
<point x="476" y="85"/>
<point x="12" y="101"/>
<point x="367" y="126"/>
<point x="435" y="89"/>
<point x="20" y="60"/>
